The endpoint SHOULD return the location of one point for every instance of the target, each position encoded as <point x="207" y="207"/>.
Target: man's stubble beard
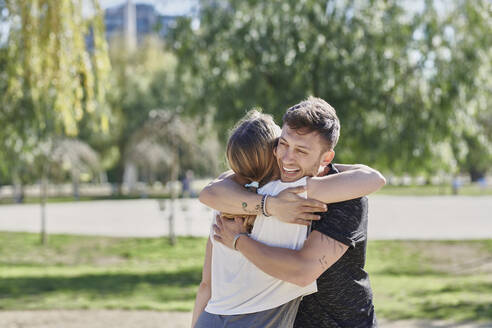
<point x="313" y="172"/>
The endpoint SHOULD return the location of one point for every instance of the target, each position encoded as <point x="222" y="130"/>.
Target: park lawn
<point x="434" y="190"/>
<point x="411" y="279"/>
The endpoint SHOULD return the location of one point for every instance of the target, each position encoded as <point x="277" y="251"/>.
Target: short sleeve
<point x="345" y="221"/>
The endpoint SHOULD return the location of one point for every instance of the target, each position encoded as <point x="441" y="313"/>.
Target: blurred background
<point x="114" y="114"/>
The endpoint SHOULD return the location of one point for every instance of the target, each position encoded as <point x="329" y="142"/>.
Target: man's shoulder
<point x="350" y="205"/>
<point x="353" y="210"/>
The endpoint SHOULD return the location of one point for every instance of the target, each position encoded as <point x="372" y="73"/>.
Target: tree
<point x="143" y="81"/>
<point x="77" y="158"/>
<point x="52" y="80"/>
<point x="468" y="28"/>
<point x="169" y="144"/>
<point x="395" y="77"/>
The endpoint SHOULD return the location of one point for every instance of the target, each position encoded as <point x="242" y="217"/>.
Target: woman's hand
<point x="226" y="230"/>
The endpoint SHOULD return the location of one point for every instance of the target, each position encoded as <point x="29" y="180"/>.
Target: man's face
<point x="300" y="155"/>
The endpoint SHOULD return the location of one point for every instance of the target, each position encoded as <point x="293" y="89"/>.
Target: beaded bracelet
<point x="263" y="205"/>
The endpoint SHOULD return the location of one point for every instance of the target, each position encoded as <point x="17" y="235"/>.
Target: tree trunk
<point x="75" y="184"/>
<point x="172" y="234"/>
<point x="44" y="187"/>
<point x="18" y="189"/>
<point x="174" y="177"/>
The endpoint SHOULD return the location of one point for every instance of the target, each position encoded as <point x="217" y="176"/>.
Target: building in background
<point x="135" y="21"/>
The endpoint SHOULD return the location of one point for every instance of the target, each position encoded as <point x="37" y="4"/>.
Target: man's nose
<point x="288" y="156"/>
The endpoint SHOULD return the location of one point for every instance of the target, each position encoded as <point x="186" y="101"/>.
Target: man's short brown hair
<point x="314" y="114"/>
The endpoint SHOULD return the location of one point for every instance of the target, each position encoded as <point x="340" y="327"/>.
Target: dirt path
<point x="152" y="319"/>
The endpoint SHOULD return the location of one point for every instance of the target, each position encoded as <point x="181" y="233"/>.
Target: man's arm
<point x="300" y="267"/>
<point x="204" y="290"/>
<point x="225" y="195"/>
<point x="354" y="181"/>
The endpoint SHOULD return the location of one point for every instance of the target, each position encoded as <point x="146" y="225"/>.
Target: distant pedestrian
<point x="186" y="181"/>
<point x="456" y="185"/>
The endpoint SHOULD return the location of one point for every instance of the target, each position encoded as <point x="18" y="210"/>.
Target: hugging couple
<point x="287" y="245"/>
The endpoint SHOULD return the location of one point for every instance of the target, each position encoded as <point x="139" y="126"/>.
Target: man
<point x="334" y="252"/>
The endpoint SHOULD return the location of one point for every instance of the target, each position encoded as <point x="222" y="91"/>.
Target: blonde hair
<point x="250" y="149"/>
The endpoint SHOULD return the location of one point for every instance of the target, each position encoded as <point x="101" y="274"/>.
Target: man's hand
<point x="289" y="207"/>
<point x="226" y="229"/>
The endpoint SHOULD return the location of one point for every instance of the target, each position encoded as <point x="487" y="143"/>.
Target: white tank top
<point x="238" y="286"/>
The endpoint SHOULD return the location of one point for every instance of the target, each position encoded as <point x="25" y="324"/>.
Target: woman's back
<point x="238" y="286"/>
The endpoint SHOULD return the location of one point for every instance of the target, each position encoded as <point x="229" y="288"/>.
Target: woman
<point x="233" y="292"/>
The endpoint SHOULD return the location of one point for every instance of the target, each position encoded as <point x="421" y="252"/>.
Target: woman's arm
<point x="204" y="291"/>
<point x="354" y="181"/>
<point x="226" y="195"/>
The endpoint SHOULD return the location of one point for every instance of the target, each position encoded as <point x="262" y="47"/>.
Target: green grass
<point x="432" y="279"/>
<point x="434" y="190"/>
<point x="410" y="279"/>
<point x="76" y="272"/>
<point x="66" y="199"/>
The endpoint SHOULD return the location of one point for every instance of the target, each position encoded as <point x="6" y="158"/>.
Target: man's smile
<point x="290" y="170"/>
<point x="290" y="173"/>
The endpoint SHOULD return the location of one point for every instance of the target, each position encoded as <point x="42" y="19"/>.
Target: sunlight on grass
<point x="411" y="279"/>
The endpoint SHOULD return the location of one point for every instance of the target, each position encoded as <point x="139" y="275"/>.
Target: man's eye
<point x="301" y="152"/>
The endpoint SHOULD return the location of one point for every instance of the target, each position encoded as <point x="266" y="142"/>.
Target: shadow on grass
<point x="101" y="284"/>
<point x="484" y="288"/>
<point x="469" y="311"/>
<point x="476" y="309"/>
<point x="408" y="271"/>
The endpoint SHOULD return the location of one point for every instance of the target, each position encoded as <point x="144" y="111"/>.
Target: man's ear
<point x="327" y="157"/>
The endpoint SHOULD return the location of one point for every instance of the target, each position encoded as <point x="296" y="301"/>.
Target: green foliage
<point x="412" y="89"/>
<point x="406" y="86"/>
<point x="50" y="80"/>
<point x="168" y="144"/>
<point x="145" y="82"/>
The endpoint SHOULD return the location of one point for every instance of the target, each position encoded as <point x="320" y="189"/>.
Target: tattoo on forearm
<point x="247" y="210"/>
<point x="336" y="250"/>
<point x="324" y="263"/>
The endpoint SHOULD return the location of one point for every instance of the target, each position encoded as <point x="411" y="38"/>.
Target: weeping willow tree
<point x="52" y="80"/>
<point x="77" y="158"/>
<point x="168" y="144"/>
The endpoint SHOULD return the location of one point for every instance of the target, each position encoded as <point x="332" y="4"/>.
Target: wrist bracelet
<point x="263" y="205"/>
<point x="236" y="237"/>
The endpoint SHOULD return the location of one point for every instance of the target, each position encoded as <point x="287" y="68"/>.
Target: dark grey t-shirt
<point x="344" y="297"/>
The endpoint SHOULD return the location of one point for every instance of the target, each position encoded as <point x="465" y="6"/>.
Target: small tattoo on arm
<point x="335" y="249"/>
<point x="247" y="210"/>
<point x="324" y="263"/>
